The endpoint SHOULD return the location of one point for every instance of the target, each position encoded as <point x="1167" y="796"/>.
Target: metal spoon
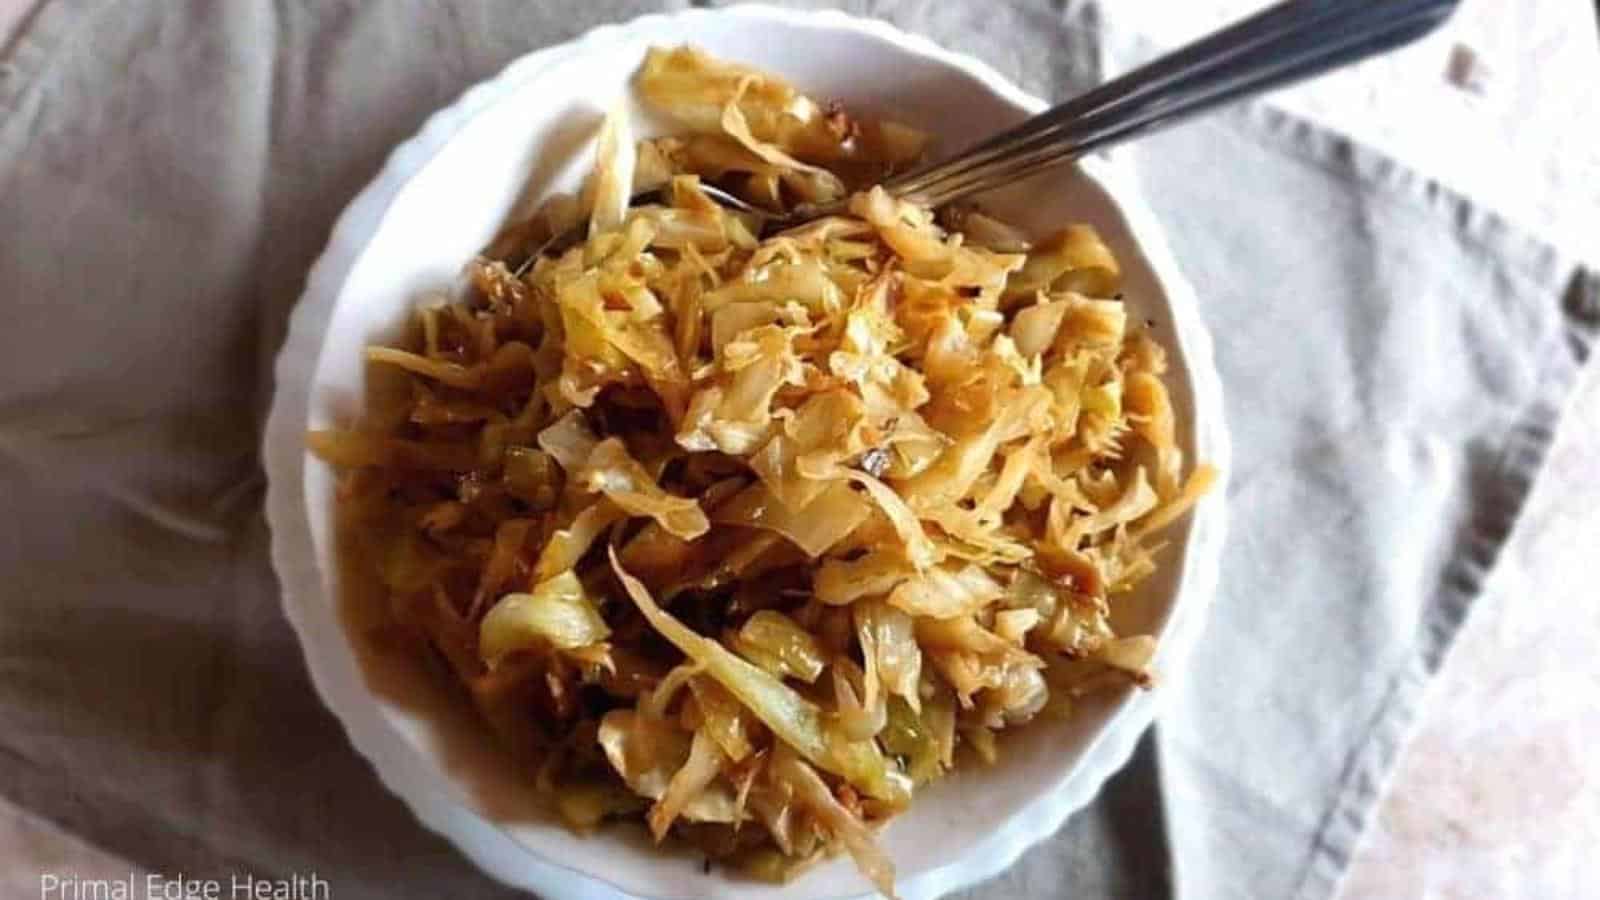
<point x="1283" y="44"/>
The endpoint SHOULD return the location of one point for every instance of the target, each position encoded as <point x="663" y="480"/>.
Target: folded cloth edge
<point x="1521" y="457"/>
<point x="1520" y="461"/>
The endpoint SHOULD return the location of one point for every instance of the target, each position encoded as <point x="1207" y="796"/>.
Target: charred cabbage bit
<point x="743" y="536"/>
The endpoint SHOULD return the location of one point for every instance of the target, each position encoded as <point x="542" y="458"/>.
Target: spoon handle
<point x="1285" y="43"/>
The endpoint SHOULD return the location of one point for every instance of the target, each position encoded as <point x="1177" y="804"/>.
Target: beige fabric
<point x="1394" y="360"/>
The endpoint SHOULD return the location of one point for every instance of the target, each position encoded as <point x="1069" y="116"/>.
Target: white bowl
<point x="441" y="196"/>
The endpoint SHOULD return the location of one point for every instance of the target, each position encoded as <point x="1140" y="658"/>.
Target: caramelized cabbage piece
<point x="742" y="535"/>
<point x="812" y="794"/>
<point x="889" y="646"/>
<point x="793" y="718"/>
<point x="774" y="642"/>
<point x="611" y="471"/>
<point x="724" y="719"/>
<point x="650" y="755"/>
<point x="569" y="441"/>
<point x="840" y="581"/>
<point x="532" y="477"/>
<point x="558" y="613"/>
<point x="568" y="544"/>
<point x="945" y="591"/>
<point x="832" y="516"/>
<point x="613" y="178"/>
<point x="1071" y="259"/>
<point x="910" y="738"/>
<point x="688" y="783"/>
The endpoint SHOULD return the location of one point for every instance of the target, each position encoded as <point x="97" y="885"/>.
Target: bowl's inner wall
<point x="543" y="130"/>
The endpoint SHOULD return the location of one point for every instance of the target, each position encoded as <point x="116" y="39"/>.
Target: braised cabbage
<point x="742" y="535"/>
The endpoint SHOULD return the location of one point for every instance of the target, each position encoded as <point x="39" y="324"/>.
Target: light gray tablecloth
<point x="1394" y="358"/>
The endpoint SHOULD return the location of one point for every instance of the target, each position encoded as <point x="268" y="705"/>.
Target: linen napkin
<point x="1394" y="361"/>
